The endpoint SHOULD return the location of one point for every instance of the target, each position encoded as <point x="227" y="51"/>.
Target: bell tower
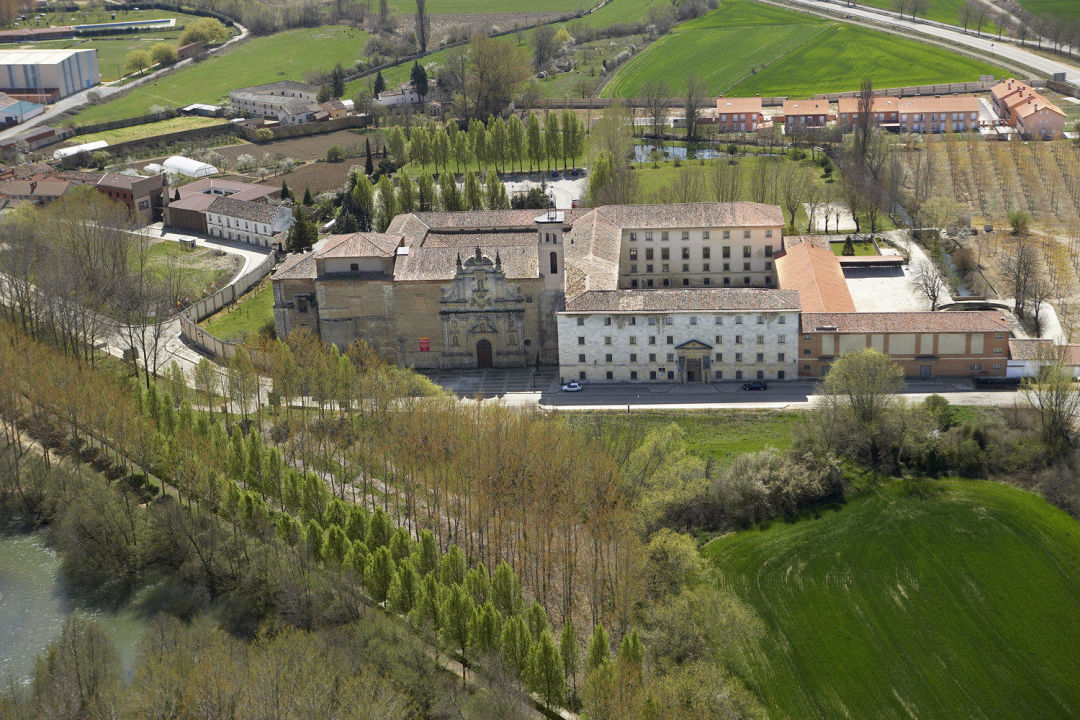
<point x="549" y="238"/>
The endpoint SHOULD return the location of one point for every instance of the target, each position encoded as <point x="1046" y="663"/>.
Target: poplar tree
<point x="452" y="568"/>
<point x="335" y="546"/>
<point x="599" y="649"/>
<point x="485" y="629"/>
<point x="478" y="585"/>
<point x="429" y="553"/>
<point x="387" y="204"/>
<point x="534" y="141"/>
<point x="516" y="641"/>
<point x="425" y="192"/>
<point x="515" y="132"/>
<point x="449" y="195"/>
<point x="378" y="574"/>
<point x="545" y="671"/>
<point x="457" y="616"/>
<point x="406" y="193"/>
<point x="568" y="649"/>
<point x="471" y="194"/>
<point x="313" y="539"/>
<point x="379" y="530"/>
<point x="405" y="588"/>
<point x="495" y="193"/>
<point x="400" y="544"/>
<point x="537" y="620"/>
<point x="506" y="590"/>
<point x="552" y="140"/>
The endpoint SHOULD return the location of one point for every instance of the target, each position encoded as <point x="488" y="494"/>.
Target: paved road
<point x="105" y="90"/>
<point x="983" y="45"/>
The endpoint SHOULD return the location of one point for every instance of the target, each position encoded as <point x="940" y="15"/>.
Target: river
<point x="35" y="600"/>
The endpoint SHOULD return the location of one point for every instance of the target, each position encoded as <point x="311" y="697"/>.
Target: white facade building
<point x="403" y="94"/>
<point x="248" y="221"/>
<point x="684" y="336"/>
<point x="268" y="100"/>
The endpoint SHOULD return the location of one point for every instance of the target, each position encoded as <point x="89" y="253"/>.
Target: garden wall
<point x="190" y="316"/>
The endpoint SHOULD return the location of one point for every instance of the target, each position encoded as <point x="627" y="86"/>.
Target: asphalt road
<point x="985" y="45"/>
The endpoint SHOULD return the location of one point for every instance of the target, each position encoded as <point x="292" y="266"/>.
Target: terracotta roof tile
<point x="905" y="322"/>
<point x="360" y="244"/>
<point x="730" y="105"/>
<point x="816" y="275"/>
<point x="882" y="103"/>
<point x="440" y="263"/>
<point x="684" y="300"/>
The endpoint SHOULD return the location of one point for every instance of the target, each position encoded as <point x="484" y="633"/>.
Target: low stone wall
<point x="118" y="150"/>
<point x="282" y="132"/>
<point x="191" y="315"/>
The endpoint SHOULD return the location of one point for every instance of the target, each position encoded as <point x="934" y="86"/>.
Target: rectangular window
<point x="685" y="234"/>
<point x="686" y="253"/>
<point x="581" y="357"/>
<point x="652" y="374"/>
<point x="782" y="320"/>
<point x="727" y="281"/>
<point x="705" y="252"/>
<point x="719" y="357"/>
<point x="761" y="357"/>
<point x="633" y="268"/>
<point x="652" y="357"/>
<point x="648" y="269"/>
<point x="663" y="235"/>
<point x="693" y="320"/>
<point x="707" y="282"/>
<point x="760" y="319"/>
<point x="632" y="320"/>
<point x="780" y="339"/>
<point x="652" y="320"/>
<point x="779" y="374"/>
<point x="746" y="251"/>
<point x="664" y="267"/>
<point x="648" y="254"/>
<point x="652" y="339"/>
<point x="727" y="234"/>
<point x="581" y="375"/>
<point x="607" y="339"/>
<point x="580" y="321"/>
<point x="633" y="357"/>
<point x="726" y="251"/>
<point x="719" y="340"/>
<point x="768" y="250"/>
<point x="665" y="253"/>
<point x="633" y="339"/>
<point x="738" y="339"/>
<point x="746" y="233"/>
<point x="668" y="320"/>
<point x="671" y="357"/>
<point x="806" y="351"/>
<point x="760" y="339"/>
<point x="768" y="233"/>
<point x="686" y="267"/>
<point x="670" y="339"/>
<point x="580" y="340"/>
<point x="648" y="237"/>
<point x="779" y="357"/>
<point x="718" y="319"/>
<point x="705" y="235"/>
<point x="633" y="374"/>
<point x="610" y="375"/>
<point x="607" y="358"/>
<point x="738" y="319"/>
<point x="633" y="237"/>
<point x="746" y="280"/>
<point x="738" y="357"/>
<point x="607" y="320"/>
<point x="633" y="253"/>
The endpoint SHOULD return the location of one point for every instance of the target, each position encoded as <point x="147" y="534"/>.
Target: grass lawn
<point x="493" y="6"/>
<point x="719" y="436"/>
<point x="861" y="248"/>
<point x="959" y="602"/>
<point x="945" y="11"/>
<point x="772" y="51"/>
<point x="202" y="271"/>
<point x="1061" y="8"/>
<point x="248" y="315"/>
<point x="137" y="132"/>
<point x="285" y="55"/>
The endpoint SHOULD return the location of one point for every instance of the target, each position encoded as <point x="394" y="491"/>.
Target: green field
<point x="962" y="601"/>
<point x="201" y="271"/>
<point x="718" y="436"/>
<point x="493" y="6"/>
<point x="945" y="11"/>
<point x="1060" y="8"/>
<point x="283" y="56"/>
<point x="771" y="51"/>
<point x="137" y="132"/>
<point x="251" y="312"/>
<point x="111" y="50"/>
<point x="861" y="248"/>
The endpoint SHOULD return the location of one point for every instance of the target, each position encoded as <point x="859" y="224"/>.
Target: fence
<point x="942" y="89"/>
<point x="191" y="315"/>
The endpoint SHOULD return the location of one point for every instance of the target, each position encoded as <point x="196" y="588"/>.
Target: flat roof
<point x="38" y="57"/>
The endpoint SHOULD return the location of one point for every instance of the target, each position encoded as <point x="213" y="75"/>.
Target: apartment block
<point x="1027" y="110"/>
<point x="951" y="113"/>
<point x="738" y="114"/>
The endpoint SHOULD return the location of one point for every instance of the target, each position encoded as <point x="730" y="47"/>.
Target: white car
<point x="572" y="387"/>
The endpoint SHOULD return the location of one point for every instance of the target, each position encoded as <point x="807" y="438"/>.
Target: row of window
<point x="670" y="357"/>
<point x="706" y="252"/>
<point x="705" y="267"/>
<point x="670" y="375"/>
<point x="780" y="340"/>
<point x="685" y="235"/>
<point x="686" y="282"/>
<point x="227" y="221"/>
<point x="670" y="320"/>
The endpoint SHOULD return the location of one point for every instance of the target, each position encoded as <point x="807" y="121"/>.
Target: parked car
<point x="572" y="387"/>
<point x="554" y="175"/>
<point x="756" y="385"/>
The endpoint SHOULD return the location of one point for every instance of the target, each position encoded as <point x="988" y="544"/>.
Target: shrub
<point x="205" y="30"/>
<point x="263" y="135"/>
<point x="163" y="53"/>
<point x="335" y="154"/>
<point x="768" y="484"/>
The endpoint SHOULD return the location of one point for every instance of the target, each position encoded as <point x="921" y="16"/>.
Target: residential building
<point x="50" y="74"/>
<point x="40" y="192"/>
<point x="403" y="94"/>
<point x="1027" y="110"/>
<point x="255" y="222"/>
<point x="884" y="112"/>
<point x="805" y="114"/>
<point x="144" y="197"/>
<point x="187" y="209"/>
<point x="269" y="99"/>
<point x="951" y="113"/>
<point x="924" y="344"/>
<point x="740" y="114"/>
<point x="1028" y="357"/>
<point x="816" y="275"/>
<point x="300" y="111"/>
<point x="512" y="288"/>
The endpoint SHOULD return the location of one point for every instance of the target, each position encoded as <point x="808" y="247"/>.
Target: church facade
<point x="578" y="288"/>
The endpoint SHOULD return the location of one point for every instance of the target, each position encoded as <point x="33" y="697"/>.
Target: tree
<point x="656" y="94"/>
<point x="335" y="154"/>
<point x="534" y="141"/>
<point x="695" y="100"/>
<point x="405" y="588"/>
<point x="966" y="11"/>
<point x="516" y="641"/>
<point x="423" y="25"/>
<point x="545" y="671"/>
<point x="337" y="81"/>
<point x="78" y="672"/>
<point x="573" y="137"/>
<point x="863" y="383"/>
<point x="543" y="45"/>
<point x="505" y="590"/>
<point x="671" y="562"/>
<point x="485" y="630"/>
<point x="471" y="196"/>
<point x="163" y="53"/>
<point x="570" y="652"/>
<point x="379" y="574"/>
<point x="1055" y="398"/>
<point x="419" y="80"/>
<point x="495" y="193"/>
<point x="793" y="182"/>
<point x="137" y="61"/>
<point x="449" y="196"/>
<point x="302" y="234"/>
<point x="386" y="205"/>
<point x="496" y="69"/>
<point x="380" y="84"/>
<point x="552" y="140"/>
<point x="599" y="653"/>
<point x="1020" y="222"/>
<point x="515" y="131"/>
<point x="864" y="122"/>
<point x="1019" y="265"/>
<point x="928" y="283"/>
<point x="369" y="164"/>
<point x="307" y="201"/>
<point x="286" y="194"/>
<point x="206" y="30"/>
<point x="457" y="616"/>
<point x="406" y="194"/>
<point x="396" y="143"/>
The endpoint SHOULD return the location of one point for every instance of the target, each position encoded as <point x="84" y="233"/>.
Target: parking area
<point x="888" y="289"/>
<point x="493" y="382"/>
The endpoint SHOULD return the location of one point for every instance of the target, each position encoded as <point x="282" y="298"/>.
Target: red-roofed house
<point x="738" y="114"/>
<point x="1027" y="110"/>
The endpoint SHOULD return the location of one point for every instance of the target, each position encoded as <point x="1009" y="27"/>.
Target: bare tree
<point x="147" y="304"/>
<point x="928" y="283"/>
<point x="793" y="182"/>
<point x="965" y="13"/>
<point x="917" y="6"/>
<point x="695" y="100"/>
<point x="1019" y="266"/>
<point x="1039" y="290"/>
<point x="423" y="25"/>
<point x="815" y="199"/>
<point x="1055" y="398"/>
<point x="864" y="121"/>
<point x="727" y="180"/>
<point x="656" y="94"/>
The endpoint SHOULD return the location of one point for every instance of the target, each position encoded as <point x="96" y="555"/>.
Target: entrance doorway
<point x="484" y="357"/>
<point x="693" y="370"/>
<point x="926" y="371"/>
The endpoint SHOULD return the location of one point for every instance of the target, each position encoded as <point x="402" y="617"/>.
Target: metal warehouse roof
<point x="38" y="57"/>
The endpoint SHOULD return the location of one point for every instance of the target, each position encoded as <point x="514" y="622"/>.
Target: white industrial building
<point x="53" y="74"/>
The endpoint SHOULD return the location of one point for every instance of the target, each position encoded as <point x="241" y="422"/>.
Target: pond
<point x="35" y="600"/>
<point x="643" y="153"/>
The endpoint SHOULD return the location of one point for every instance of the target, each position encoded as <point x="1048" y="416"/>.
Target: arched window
<point x="554" y="262"/>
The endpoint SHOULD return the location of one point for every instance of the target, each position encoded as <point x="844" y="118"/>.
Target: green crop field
<point x="282" y="56"/>
<point x="1061" y="8"/>
<point x="772" y="51"/>
<point x="946" y="11"/>
<point x="961" y="601"/>
<point x="493" y="6"/>
<point x="137" y="132"/>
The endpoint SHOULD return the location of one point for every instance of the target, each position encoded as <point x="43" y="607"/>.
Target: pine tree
<point x="485" y="630"/>
<point x="313" y="539"/>
<point x="380" y="84"/>
<point x="302" y="234"/>
<point x="286" y="194"/>
<point x="537" y="620"/>
<point x="405" y="588"/>
<point x="429" y="553"/>
<point x="335" y="545"/>
<point x="378" y="574"/>
<point x="379" y="530"/>
<point x="419" y="79"/>
<point x="457" y="617"/>
<point x="477" y="584"/>
<point x="400" y="544"/>
<point x="545" y="671"/>
<point x="308" y="201"/>
<point x="357" y="524"/>
<point x="369" y="165"/>
<point x="599" y="649"/>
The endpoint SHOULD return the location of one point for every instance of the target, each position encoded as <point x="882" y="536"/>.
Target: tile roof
<point x="738" y="105"/>
<point x="816" y="275"/>
<point x="692" y="215"/>
<point x="806" y="107"/>
<point x="266" y="88"/>
<point x="360" y="244"/>
<point x="905" y="322"/>
<point x="882" y="103"/>
<point x="1029" y="348"/>
<point x="244" y="209"/>
<point x="683" y="300"/>
<point x="950" y="103"/>
<point x="440" y="263"/>
<point x="41" y="189"/>
<point x="1036" y="104"/>
<point x="233" y="188"/>
<point x="296" y="267"/>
